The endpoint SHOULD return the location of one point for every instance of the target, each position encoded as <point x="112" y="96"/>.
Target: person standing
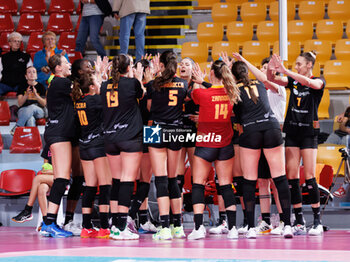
<point x="93" y="14"/>
<point x="132" y="13"/>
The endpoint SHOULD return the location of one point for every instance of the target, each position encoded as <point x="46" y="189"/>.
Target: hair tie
<point x="312" y="54"/>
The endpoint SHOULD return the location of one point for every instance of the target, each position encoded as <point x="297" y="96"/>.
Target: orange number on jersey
<point x="299" y="100"/>
<point x="173" y="97"/>
<point x="255" y="90"/>
<point x="82" y="118"/>
<point x="112" y="99"/>
<point x="221" y="110"/>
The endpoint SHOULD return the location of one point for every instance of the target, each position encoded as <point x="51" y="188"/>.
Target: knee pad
<point x="125" y="193"/>
<point x="228" y="195"/>
<point x="105" y="195"/>
<point x="174" y="190"/>
<point x="313" y="190"/>
<point x="295" y="192"/>
<point x="115" y="189"/>
<point x="217" y="185"/>
<point x="57" y="190"/>
<point x="198" y="194"/>
<point x="89" y="196"/>
<point x="161" y="183"/>
<point x="180" y="181"/>
<point x="142" y="191"/>
<point x="238" y="184"/>
<point x="76" y="188"/>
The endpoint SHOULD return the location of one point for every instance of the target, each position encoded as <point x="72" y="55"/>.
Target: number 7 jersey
<point x="215" y="112"/>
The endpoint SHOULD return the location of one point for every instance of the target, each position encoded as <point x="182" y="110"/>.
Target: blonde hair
<point x="48" y="33"/>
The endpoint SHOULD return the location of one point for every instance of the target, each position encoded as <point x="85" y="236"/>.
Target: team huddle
<point x="99" y="118"/>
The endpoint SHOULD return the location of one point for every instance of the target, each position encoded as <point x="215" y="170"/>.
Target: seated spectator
<point x="31" y="100"/>
<point x="13" y="64"/>
<point x="42" y="57"/>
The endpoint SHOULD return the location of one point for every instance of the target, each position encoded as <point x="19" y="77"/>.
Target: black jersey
<point x="255" y="117"/>
<point x="89" y="110"/>
<point x="61" y="121"/>
<point x="143" y="105"/>
<point x="302" y="117"/>
<point x="121" y="114"/>
<point x="167" y="104"/>
<point x="190" y="109"/>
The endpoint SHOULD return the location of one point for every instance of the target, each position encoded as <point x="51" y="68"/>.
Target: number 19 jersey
<point x="214" y="120"/>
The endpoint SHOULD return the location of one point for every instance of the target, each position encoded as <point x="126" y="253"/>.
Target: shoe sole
<point x="22" y="221"/>
<point x="103" y="237"/>
<point x="288" y="236"/>
<point x="264" y="232"/>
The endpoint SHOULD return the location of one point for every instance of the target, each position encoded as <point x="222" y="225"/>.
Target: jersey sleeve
<point x="196" y="96"/>
<point x="290" y="83"/>
<point x="21" y="89"/>
<point x="138" y="89"/>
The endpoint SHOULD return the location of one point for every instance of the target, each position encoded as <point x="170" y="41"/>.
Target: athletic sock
<point x="198" y="220"/>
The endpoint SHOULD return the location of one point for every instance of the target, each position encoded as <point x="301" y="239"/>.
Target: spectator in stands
<point x="132" y="13"/>
<point x="31" y="100"/>
<point x="42" y="57"/>
<point x="341" y="137"/>
<point x="93" y="14"/>
<point x="13" y="65"/>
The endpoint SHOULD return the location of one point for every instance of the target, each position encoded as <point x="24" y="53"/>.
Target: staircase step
<point x="131" y="47"/>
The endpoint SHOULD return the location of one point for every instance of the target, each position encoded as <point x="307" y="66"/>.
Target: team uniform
<point x="121" y="116"/>
<point x="61" y="125"/>
<point x="91" y="142"/>
<point x="301" y="124"/>
<point x="167" y="109"/>
<point x="260" y="127"/>
<point x="190" y="109"/>
<point x="145" y="113"/>
<point x="214" y="121"/>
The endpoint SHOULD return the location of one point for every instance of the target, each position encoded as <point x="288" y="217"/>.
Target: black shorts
<point x="263" y="167"/>
<point x="235" y="137"/>
<point x="145" y="148"/>
<point x="191" y="143"/>
<point x="46" y="154"/>
<point x="211" y="154"/>
<point x="92" y="153"/>
<point x="302" y="142"/>
<point x="129" y="146"/>
<point x="172" y="145"/>
<point x="269" y="138"/>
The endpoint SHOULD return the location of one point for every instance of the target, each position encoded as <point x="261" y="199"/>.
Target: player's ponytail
<point x="240" y="72"/>
<point x="119" y="66"/>
<point x="168" y="58"/>
<point x="81" y="86"/>
<point x="222" y="72"/>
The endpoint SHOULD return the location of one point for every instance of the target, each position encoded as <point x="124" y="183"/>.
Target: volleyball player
<point x="302" y="128"/>
<point x="215" y="109"/>
<point x="88" y="105"/>
<point x="260" y="131"/>
<point x="59" y="133"/>
<point x="123" y="139"/>
<point x="165" y="101"/>
<point x="140" y="202"/>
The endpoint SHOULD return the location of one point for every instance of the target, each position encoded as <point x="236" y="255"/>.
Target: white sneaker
<point x="316" y="230"/>
<point x="251" y="233"/>
<point x="178" y="232"/>
<point x="233" y="233"/>
<point x="299" y="229"/>
<point x="131" y="225"/>
<point x="197" y="234"/>
<point x="263" y="228"/>
<point x="220" y="229"/>
<point x="74" y="228"/>
<point x="163" y="234"/>
<point x="147" y="227"/>
<point x="287" y="232"/>
<point x="126" y="234"/>
<point x="278" y="230"/>
<point x="243" y="229"/>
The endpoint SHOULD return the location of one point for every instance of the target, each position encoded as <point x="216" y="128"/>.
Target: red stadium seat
<point x="8" y="6"/>
<point x="59" y="23"/>
<point x="35" y="42"/>
<point x="29" y="23"/>
<point x="41" y="121"/>
<point x="5" y="114"/>
<point x="33" y="6"/>
<point x="6" y="23"/>
<point x="1" y="143"/>
<point x="16" y="182"/>
<point x="74" y="55"/>
<point x="26" y="140"/>
<point x="4" y="44"/>
<point x="67" y="41"/>
<point x="61" y="6"/>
